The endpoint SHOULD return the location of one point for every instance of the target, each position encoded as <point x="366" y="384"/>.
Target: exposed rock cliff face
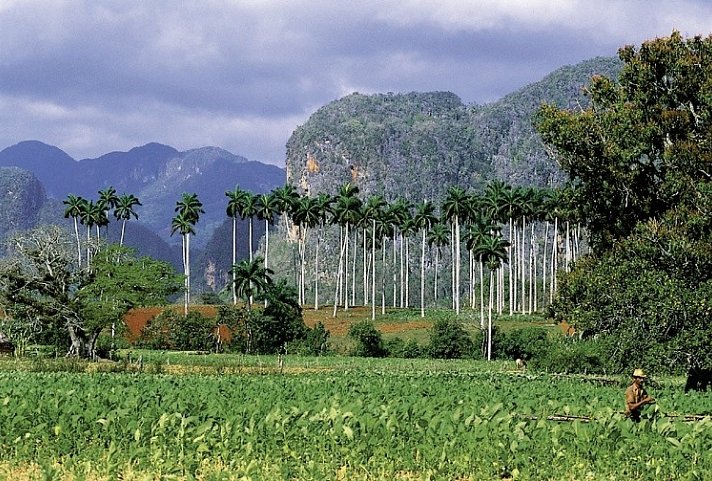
<point x="417" y="145"/>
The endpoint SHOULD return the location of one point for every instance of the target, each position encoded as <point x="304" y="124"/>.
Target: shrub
<point x="314" y="343"/>
<point x="106" y="346"/>
<point x="526" y="343"/>
<point x="268" y="330"/>
<point x="171" y="330"/>
<point x="573" y="356"/>
<point x="449" y="340"/>
<point x="369" y="342"/>
<point x="281" y="321"/>
<point x="409" y="349"/>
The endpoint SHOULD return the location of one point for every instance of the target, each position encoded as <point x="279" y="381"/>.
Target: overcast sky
<point x="92" y="76"/>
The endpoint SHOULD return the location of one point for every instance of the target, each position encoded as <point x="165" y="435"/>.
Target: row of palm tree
<point x="474" y="220"/>
<point x="94" y="214"/>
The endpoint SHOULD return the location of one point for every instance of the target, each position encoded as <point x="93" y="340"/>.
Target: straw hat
<point x="639" y="373"/>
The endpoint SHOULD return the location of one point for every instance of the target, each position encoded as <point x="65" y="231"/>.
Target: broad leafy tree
<point x="41" y="281"/>
<point x="640" y="158"/>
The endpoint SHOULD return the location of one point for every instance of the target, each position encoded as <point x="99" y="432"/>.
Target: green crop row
<point x="349" y="424"/>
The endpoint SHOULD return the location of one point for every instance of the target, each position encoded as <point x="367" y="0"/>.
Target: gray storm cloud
<point x="91" y="77"/>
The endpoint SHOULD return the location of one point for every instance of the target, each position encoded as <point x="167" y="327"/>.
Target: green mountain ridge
<point x="416" y="145"/>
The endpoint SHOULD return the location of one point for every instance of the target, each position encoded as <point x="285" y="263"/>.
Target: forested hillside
<point x="417" y="145"/>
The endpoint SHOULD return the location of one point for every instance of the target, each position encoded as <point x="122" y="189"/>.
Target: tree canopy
<point x="639" y="160"/>
<point x="41" y="281"/>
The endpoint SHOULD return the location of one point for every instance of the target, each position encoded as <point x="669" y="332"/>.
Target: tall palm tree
<point x="384" y="229"/>
<point x="107" y="200"/>
<point x="346" y="214"/>
<point x="437" y="236"/>
<point x="248" y="211"/>
<point x="504" y="202"/>
<point x="307" y="214"/>
<point x="324" y="202"/>
<point x="74" y="210"/>
<point x="188" y="210"/>
<point x="266" y="208"/>
<point x="481" y="228"/>
<point x="454" y="209"/>
<point x="287" y="197"/>
<point x="252" y="279"/>
<point x="399" y="213"/>
<point x="182" y="224"/>
<point x="234" y="206"/>
<point x="423" y="219"/>
<point x="526" y="211"/>
<point x="373" y="209"/>
<point x="493" y="250"/>
<point x="124" y="210"/>
<point x="92" y="215"/>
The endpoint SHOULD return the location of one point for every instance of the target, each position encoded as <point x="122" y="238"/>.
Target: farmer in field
<point x="636" y="397"/>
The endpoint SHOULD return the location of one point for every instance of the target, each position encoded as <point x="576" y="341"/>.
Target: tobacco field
<point x="365" y="420"/>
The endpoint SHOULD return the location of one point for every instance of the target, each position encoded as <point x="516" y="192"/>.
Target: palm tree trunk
<point x="554" y="259"/>
<point x="510" y="250"/>
<point x="489" y="318"/>
<point x="185" y="276"/>
<point x="401" y="271"/>
<point x="393" y="267"/>
<point x="249" y="240"/>
<point x="523" y="277"/>
<point x="471" y="275"/>
<point x="302" y="265"/>
<point x="407" y="275"/>
<point x="316" y="275"/>
<point x="339" y="275"/>
<point x="482" y="294"/>
<point x="365" y="271"/>
<point x="123" y="231"/>
<point x="353" y="269"/>
<point x="383" y="277"/>
<point x="373" y="273"/>
<point x="79" y="244"/>
<point x="234" y="258"/>
<point x="347" y="241"/>
<point x="457" y="265"/>
<point x="437" y="268"/>
<point x="567" y="258"/>
<point x="543" y="261"/>
<point x="266" y="248"/>
<point x="88" y="246"/>
<point x="422" y="275"/>
<point x="452" y="265"/>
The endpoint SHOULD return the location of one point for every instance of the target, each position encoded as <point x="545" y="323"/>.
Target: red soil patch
<point x="137" y="318"/>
